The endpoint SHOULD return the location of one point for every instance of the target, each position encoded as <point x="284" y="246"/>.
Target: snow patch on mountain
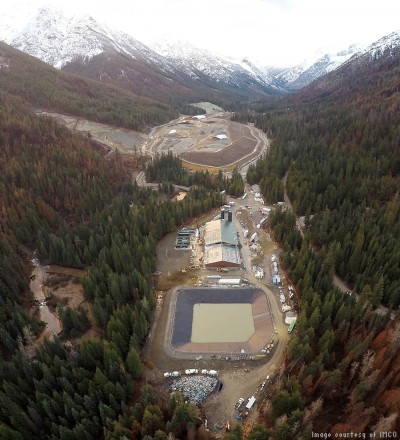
<point x="318" y="65"/>
<point x="197" y="62"/>
<point x="58" y="38"/>
<point x="389" y="45"/>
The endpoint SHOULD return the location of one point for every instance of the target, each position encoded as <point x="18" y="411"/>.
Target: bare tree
<point x="313" y="410"/>
<point x="26" y="343"/>
<point x="354" y="367"/>
<point x="367" y="363"/>
<point x="280" y="421"/>
<point x="394" y="343"/>
<point x="385" y="424"/>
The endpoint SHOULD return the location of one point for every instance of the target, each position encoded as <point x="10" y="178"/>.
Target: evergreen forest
<point x="58" y="194"/>
<point x="167" y="169"/>
<point x="334" y="160"/>
<point x="335" y="152"/>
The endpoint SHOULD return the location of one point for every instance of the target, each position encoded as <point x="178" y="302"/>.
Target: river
<point x="53" y="323"/>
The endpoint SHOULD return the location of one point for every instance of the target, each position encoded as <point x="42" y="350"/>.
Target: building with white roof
<point x="221" y="242"/>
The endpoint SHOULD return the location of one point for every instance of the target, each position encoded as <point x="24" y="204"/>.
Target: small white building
<point x="229" y="282"/>
<point x="250" y="403"/>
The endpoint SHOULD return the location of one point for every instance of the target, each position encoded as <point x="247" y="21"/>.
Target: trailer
<point x="291" y="327"/>
<point x="250" y="403"/>
<point x="254" y="237"/>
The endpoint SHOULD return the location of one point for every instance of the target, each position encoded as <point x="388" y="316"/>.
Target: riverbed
<point x="53" y="323"/>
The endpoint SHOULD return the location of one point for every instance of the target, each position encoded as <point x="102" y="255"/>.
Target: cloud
<point x="283" y="4"/>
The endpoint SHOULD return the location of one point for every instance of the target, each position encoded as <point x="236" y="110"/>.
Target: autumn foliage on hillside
<point x="338" y="144"/>
<point x="60" y="196"/>
<point x="45" y="87"/>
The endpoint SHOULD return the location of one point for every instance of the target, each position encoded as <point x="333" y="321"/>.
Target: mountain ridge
<point x="168" y="72"/>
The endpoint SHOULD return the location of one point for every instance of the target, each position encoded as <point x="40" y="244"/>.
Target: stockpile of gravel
<point x="195" y="388"/>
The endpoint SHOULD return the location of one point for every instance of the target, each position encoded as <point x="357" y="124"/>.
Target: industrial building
<point x="221" y="242"/>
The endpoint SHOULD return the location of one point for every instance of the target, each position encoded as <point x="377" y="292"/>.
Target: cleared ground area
<point x="212" y="142"/>
<point x="207" y="321"/>
<point x="124" y="140"/>
<point x="241" y="142"/>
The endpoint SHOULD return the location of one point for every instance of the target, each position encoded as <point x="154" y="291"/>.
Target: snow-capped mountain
<point x="365" y="71"/>
<point x="57" y="39"/>
<point x="388" y="45"/>
<point x="76" y="43"/>
<point x="82" y="45"/>
<point x="198" y="63"/>
<point x="309" y="70"/>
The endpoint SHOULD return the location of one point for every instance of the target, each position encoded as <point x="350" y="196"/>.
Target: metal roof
<point x="220" y="231"/>
<point x="219" y="252"/>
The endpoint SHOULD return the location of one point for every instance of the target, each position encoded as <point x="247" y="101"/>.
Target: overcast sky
<point x="276" y="32"/>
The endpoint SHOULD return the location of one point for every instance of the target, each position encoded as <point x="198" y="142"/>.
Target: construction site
<point x="218" y="310"/>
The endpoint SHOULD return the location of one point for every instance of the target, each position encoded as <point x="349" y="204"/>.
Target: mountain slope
<point x="44" y="86"/>
<point x="200" y="64"/>
<point x="378" y="63"/>
<point x="337" y="143"/>
<point x="308" y="71"/>
<point x="174" y="73"/>
<point x="83" y="46"/>
<point x="57" y="39"/>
